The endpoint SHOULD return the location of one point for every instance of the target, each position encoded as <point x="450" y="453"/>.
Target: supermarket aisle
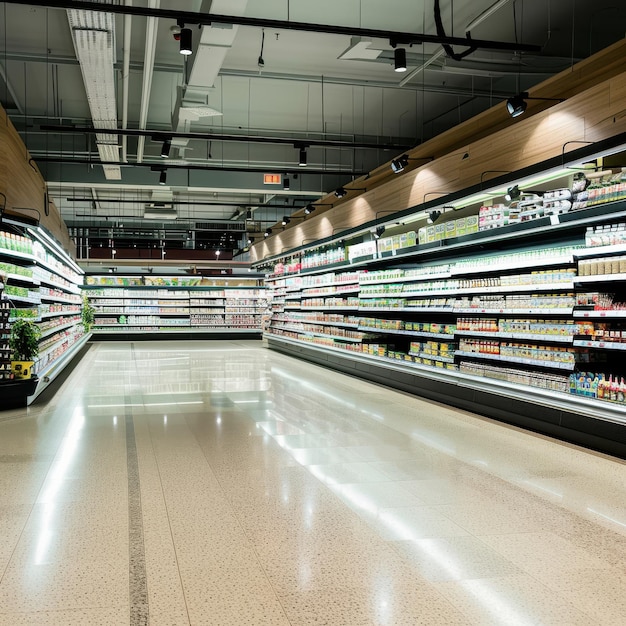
<point x="221" y="483"/>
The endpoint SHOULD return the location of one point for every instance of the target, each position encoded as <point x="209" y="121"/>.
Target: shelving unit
<point x="504" y="328"/>
<point x="42" y="285"/>
<point x="138" y="305"/>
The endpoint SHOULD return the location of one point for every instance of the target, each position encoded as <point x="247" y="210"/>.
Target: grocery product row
<point x="42" y="326"/>
<point x="132" y="304"/>
<point x="481" y="315"/>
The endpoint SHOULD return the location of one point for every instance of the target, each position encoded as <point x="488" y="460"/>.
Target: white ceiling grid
<point x="312" y="86"/>
<point x="94" y="39"/>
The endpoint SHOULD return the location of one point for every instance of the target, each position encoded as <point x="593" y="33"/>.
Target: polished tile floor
<point x="222" y="483"/>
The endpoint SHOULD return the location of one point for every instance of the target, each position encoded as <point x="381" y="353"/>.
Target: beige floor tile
<point x="404" y="606"/>
<point x="276" y="492"/>
<point x="412" y="522"/>
<point x="512" y="600"/>
<point x="455" y="558"/>
<point x="77" y="617"/>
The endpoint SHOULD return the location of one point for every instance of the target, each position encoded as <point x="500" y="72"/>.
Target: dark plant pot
<point x="14" y="393"/>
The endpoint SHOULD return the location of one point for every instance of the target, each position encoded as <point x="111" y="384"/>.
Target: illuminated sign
<point x="272" y="179"/>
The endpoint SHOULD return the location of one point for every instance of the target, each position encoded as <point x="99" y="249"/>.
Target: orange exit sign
<point x="272" y="179"/>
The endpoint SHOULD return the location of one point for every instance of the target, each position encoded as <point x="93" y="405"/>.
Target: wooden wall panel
<point x="593" y="115"/>
<point x="24" y="187"/>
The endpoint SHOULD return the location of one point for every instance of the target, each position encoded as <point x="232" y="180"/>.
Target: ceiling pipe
<point x="187" y="166"/>
<point x="208" y="18"/>
<point x="126" y="79"/>
<point x="208" y="136"/>
<point x="148" y="70"/>
<point x="252" y="205"/>
<point x="488" y="12"/>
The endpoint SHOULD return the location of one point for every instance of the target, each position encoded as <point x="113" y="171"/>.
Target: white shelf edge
<point x="51" y="370"/>
<point x="520" y="336"/>
<point x="619" y="314"/>
<point x="519" y="360"/>
<point x="599" y="278"/>
<point x="406" y="279"/>
<point x="606" y="411"/>
<point x="594" y="251"/>
<point x="51" y="331"/>
<point x="601" y="345"/>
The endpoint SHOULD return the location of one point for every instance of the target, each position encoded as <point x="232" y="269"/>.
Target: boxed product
<point x="440" y="231"/>
<point x="450" y="229"/>
<point x="471" y="224"/>
<point x="460" y="227"/>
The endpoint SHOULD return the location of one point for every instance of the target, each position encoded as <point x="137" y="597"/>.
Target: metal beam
<point x="163" y="165"/>
<point x="200" y="18"/>
<point x="161" y="135"/>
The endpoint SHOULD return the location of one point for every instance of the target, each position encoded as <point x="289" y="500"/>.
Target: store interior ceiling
<point x="286" y="81"/>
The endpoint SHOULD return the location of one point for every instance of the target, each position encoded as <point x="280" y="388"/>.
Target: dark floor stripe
<point x="137" y="558"/>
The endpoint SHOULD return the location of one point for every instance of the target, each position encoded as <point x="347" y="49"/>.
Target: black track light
<point x="285" y="220"/>
<point x="302" y="157"/>
<point x="308" y="209"/>
<point x="399" y="60"/>
<point x="340" y="192"/>
<point x="398" y="165"/>
<point x="268" y="232"/>
<point x="165" y="149"/>
<point x="516" y="105"/>
<point x="286" y="185"/>
<point x="185" y="41"/>
<point x="163" y="177"/>
<point x="512" y="193"/>
<point x="433" y="216"/>
<point x="378" y="232"/>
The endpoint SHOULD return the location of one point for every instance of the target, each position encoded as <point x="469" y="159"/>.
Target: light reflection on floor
<point x="276" y="492"/>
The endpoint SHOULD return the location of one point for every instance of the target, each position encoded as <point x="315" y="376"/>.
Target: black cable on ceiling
<point x="441" y="32"/>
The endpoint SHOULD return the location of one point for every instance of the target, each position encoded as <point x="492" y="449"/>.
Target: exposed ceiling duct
<point x="204" y="66"/>
<point x="156" y="211"/>
<point x="93" y="34"/>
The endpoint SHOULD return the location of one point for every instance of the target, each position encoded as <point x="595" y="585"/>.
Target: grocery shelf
<point x="599" y="278"/>
<point x="433" y="357"/>
<point x="55" y="329"/>
<point x="602" y="345"/>
<point x="615" y="314"/>
<point x="597" y="251"/>
<point x="522" y="361"/>
<point x="517" y="336"/>
<point x="404" y="279"/>
<point x="565" y="312"/>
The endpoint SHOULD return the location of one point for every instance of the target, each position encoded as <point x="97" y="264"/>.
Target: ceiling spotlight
<point x="185" y="41"/>
<point x="433" y="216"/>
<point x="378" y="232"/>
<point x="308" y="209"/>
<point x="512" y="193"/>
<point x="165" y="149"/>
<point x="163" y="177"/>
<point x="286" y="186"/>
<point x="250" y="240"/>
<point x="517" y="104"/>
<point x="340" y="192"/>
<point x="302" y="157"/>
<point x="285" y="221"/>
<point x="398" y="165"/>
<point x="267" y="232"/>
<point x="399" y="60"/>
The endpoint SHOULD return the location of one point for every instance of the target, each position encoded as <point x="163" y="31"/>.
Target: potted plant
<point x="24" y="344"/>
<point x="88" y="314"/>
